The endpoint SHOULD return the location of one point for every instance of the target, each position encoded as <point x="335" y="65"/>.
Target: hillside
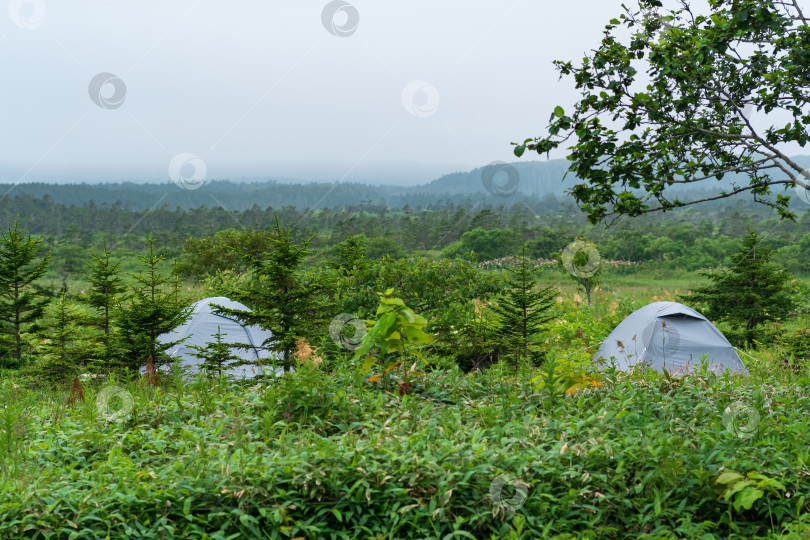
<point x="532" y="180"/>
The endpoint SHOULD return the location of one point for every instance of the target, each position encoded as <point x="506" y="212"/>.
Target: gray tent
<point x="201" y="328"/>
<point x="671" y="336"/>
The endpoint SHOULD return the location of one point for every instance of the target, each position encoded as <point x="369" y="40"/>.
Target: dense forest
<point x="687" y="239"/>
<point x="540" y="184"/>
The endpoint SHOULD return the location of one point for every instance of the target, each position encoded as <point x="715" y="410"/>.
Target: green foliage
<point x="545" y="242"/>
<point x="64" y="345"/>
<point x="427" y="286"/>
<point x="751" y="292"/>
<point x="702" y="237"/>
<point x="396" y="333"/>
<point x="22" y="302"/>
<point x="380" y="247"/>
<point x="546" y="225"/>
<point x="579" y="331"/>
<point x="703" y="73"/>
<point x="150" y="309"/>
<point x="322" y="455"/>
<point x="106" y="289"/>
<point x="468" y="333"/>
<point x="283" y="299"/>
<point x="794" y="255"/>
<point x="523" y="312"/>
<point x="797" y="344"/>
<point x="106" y="286"/>
<point x="225" y="250"/>
<point x="747" y="489"/>
<point x="565" y="374"/>
<point x="305" y="399"/>
<point x="350" y="255"/>
<point x="487" y="244"/>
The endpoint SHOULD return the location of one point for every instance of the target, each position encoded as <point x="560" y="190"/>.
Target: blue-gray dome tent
<point x="668" y="336"/>
<point x="201" y="329"/>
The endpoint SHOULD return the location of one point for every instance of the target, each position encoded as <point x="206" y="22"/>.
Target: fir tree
<point x="349" y="263"/>
<point x="64" y="355"/>
<point x="750" y="293"/>
<point x="149" y="312"/>
<point x="106" y="287"/>
<point x="522" y="312"/>
<point x="282" y="299"/>
<point x="217" y="355"/>
<point x="351" y="254"/>
<point x="22" y="303"/>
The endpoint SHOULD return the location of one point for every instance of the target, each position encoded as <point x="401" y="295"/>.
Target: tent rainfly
<point x="201" y="328"/>
<point x="671" y="336"/>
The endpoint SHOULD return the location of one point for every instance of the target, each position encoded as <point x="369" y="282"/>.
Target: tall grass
<point x="320" y="454"/>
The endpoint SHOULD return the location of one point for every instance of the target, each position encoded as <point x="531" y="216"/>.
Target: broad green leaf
<point x="368" y="364"/>
<point x="393" y="301"/>
<point x="368" y="342"/>
<point x="416" y="335"/>
<point x="384" y="324"/>
<point x="736" y="488"/>
<point x="728" y="477"/>
<point x="747" y="497"/>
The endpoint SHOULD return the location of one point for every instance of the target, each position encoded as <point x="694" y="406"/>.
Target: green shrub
<point x="797" y="345"/>
<point x="468" y="334"/>
<point x="425" y="285"/>
<point x="487" y="244"/>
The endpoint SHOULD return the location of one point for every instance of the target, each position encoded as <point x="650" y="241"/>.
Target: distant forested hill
<point x="531" y="180"/>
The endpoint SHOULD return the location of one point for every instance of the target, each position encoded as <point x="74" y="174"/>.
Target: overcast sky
<point x="397" y="90"/>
